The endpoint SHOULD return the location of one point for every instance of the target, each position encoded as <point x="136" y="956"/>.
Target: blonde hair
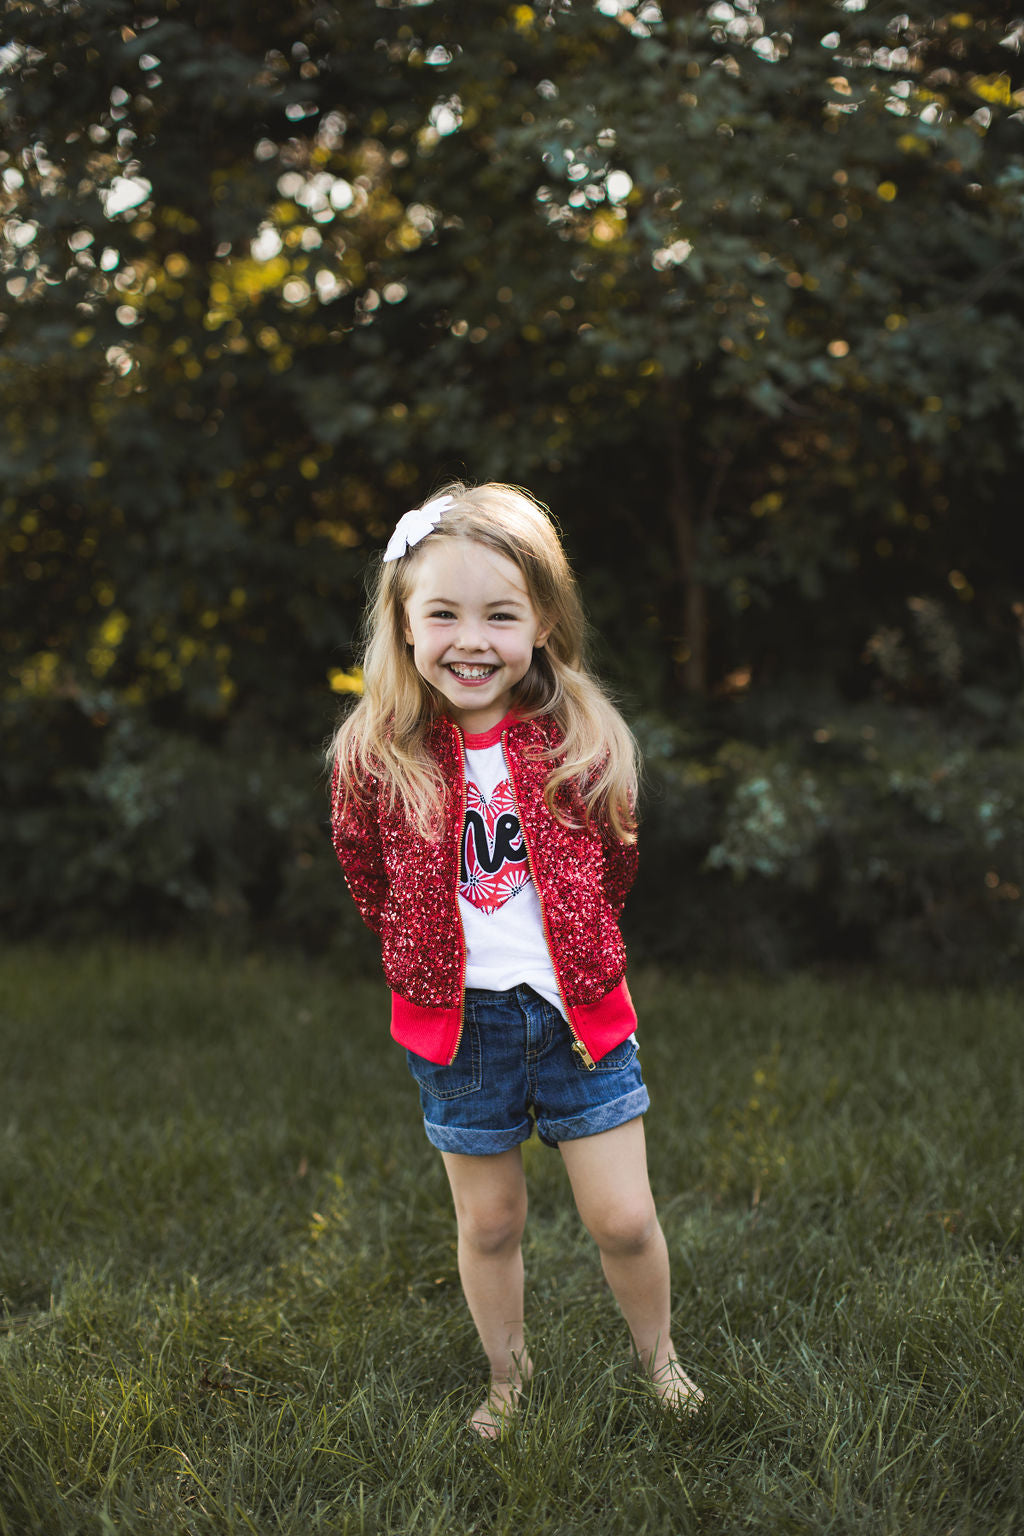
<point x="385" y="733"/>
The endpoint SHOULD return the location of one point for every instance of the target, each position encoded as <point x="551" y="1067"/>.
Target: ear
<point x="407" y="627"/>
<point x="541" y="639"/>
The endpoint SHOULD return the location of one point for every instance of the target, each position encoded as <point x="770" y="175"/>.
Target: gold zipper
<point x="577" y="1044"/>
<point x="458" y="910"/>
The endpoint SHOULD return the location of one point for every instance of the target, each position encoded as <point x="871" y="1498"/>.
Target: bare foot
<point x="502" y="1403"/>
<point x="676" y="1392"/>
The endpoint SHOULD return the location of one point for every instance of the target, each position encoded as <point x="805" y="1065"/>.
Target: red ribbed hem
<point x="433" y="1032"/>
<point x="429" y="1032"/>
<point x="605" y="1024"/>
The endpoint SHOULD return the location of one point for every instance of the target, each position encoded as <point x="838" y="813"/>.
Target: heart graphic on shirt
<point x="493" y="866"/>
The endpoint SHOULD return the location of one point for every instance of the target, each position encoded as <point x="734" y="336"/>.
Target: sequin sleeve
<point x="619" y="870"/>
<point x="355" y="833"/>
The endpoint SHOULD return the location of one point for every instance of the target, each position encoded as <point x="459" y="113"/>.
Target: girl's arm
<point x="618" y="859"/>
<point x="355" y="834"/>
<point x="619" y="869"/>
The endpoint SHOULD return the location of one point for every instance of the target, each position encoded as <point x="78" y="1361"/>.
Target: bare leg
<point x="490" y="1207"/>
<point x="608" y="1173"/>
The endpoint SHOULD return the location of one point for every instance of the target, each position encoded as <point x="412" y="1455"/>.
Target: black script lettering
<point x="507" y="835"/>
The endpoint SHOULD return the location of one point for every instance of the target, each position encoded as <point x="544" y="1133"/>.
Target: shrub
<point x="880" y="833"/>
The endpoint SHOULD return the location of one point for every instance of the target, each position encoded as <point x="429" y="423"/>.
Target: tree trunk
<point x="685" y="517"/>
<point x="689" y="517"/>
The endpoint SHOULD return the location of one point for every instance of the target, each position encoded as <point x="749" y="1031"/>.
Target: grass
<point x="230" y="1301"/>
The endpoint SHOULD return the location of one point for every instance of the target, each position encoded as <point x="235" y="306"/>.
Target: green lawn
<point x="231" y="1305"/>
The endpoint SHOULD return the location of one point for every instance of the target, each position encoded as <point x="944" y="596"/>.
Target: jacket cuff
<point x="430" y="1032"/>
<point x="605" y="1024"/>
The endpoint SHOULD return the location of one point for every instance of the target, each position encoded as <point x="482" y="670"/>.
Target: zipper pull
<point x="584" y="1055"/>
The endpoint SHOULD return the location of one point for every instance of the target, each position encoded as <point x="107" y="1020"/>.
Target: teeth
<point x="468" y="670"/>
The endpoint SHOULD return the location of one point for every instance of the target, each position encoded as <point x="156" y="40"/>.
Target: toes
<point x="675" y="1390"/>
<point x="500" y="1406"/>
<point x="493" y="1416"/>
<point x="487" y="1424"/>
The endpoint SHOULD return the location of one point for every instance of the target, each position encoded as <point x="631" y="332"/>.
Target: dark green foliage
<point x="862" y="833"/>
<point x="736" y="288"/>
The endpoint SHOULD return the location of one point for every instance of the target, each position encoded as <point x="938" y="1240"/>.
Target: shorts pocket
<point x="453" y="1081"/>
<point x="616" y="1060"/>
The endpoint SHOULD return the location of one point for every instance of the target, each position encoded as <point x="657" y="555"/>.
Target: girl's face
<point x="473" y="629"/>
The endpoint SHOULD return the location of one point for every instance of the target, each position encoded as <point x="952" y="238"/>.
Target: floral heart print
<point x="493" y="866"/>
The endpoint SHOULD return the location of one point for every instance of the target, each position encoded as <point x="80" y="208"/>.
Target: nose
<point x="469" y="635"/>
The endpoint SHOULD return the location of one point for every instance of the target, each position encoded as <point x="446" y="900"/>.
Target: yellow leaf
<point x="993" y="88"/>
<point x="345" y="682"/>
<point x="113" y="627"/>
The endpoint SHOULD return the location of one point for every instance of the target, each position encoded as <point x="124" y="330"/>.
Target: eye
<point x="441" y="613"/>
<point x="507" y="618"/>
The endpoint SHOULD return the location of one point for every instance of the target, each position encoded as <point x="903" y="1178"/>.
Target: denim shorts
<point x="516" y="1058"/>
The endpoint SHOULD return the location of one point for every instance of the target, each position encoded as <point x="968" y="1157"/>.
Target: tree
<point x="753" y="262"/>
<point x="736" y="288"/>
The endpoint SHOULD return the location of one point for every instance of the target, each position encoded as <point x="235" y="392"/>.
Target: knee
<point x="625" y="1230"/>
<point x="492" y="1227"/>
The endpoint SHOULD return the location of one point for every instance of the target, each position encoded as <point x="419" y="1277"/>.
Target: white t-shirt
<point x="500" y="908"/>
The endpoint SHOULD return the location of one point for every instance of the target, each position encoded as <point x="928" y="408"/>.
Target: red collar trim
<point x="488" y="738"/>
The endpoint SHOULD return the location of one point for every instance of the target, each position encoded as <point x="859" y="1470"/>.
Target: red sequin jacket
<point x="406" y="888"/>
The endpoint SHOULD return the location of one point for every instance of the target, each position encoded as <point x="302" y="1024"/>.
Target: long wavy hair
<point x="385" y="734"/>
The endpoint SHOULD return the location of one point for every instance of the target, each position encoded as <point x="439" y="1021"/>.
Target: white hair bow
<point x="415" y="525"/>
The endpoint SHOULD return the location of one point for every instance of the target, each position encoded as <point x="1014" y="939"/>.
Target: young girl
<point x="482" y="796"/>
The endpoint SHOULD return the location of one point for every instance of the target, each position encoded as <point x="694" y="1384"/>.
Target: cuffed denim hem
<point x="599" y="1117"/>
<point x="461" y="1138"/>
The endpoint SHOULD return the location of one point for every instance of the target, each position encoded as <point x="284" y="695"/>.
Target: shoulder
<point x="443" y="741"/>
<point x="535" y="732"/>
<point x="355" y="796"/>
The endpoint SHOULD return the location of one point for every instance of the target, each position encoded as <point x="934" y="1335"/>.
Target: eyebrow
<point x="496" y="602"/>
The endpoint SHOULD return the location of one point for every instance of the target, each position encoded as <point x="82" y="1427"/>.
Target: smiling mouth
<point x="471" y="672"/>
